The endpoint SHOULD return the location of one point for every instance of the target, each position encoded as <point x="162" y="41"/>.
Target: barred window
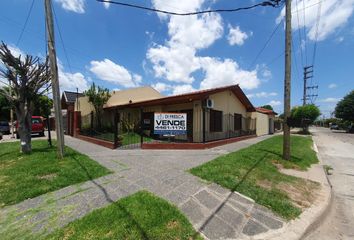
<point x="215" y="121"/>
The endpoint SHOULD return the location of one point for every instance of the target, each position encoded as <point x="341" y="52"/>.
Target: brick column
<point x="77" y="123"/>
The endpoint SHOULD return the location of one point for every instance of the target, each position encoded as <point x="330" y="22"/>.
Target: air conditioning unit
<point x="209" y="103"/>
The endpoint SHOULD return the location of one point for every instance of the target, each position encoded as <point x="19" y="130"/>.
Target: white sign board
<point x="170" y="123"/>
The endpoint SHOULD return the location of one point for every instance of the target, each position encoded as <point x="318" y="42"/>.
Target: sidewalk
<point x="216" y="212"/>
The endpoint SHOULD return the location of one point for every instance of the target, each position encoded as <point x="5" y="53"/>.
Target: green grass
<point x="133" y="138"/>
<point x="26" y="176"/>
<point x="253" y="172"/>
<point x="139" y="216"/>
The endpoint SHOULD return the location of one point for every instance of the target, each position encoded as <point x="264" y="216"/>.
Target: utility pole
<point x="308" y="73"/>
<point x="55" y="81"/>
<point x="287" y="81"/>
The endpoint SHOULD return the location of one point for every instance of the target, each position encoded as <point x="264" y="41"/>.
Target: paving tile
<point x="215" y="228"/>
<point x="262" y="217"/>
<point x="253" y="228"/>
<point x="230" y="216"/>
<point x="189" y="188"/>
<point x="207" y="199"/>
<point x="217" y="189"/>
<point x="193" y="211"/>
<point x="177" y="197"/>
<point x="235" y="196"/>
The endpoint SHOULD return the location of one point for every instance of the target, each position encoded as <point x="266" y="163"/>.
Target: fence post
<point x="91" y="121"/>
<point x="141" y="127"/>
<point x="203" y="124"/>
<point x="115" y="130"/>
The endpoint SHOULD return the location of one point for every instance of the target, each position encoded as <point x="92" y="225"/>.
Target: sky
<point x="118" y="47"/>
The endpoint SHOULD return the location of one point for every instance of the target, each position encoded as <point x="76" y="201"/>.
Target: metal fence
<point x="123" y="132"/>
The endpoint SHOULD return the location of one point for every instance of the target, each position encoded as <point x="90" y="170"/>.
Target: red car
<point x="37" y="126"/>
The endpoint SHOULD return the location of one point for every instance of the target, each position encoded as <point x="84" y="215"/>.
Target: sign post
<point x="170" y="123"/>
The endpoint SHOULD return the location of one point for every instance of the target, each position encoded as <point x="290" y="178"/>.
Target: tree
<point x="42" y="106"/>
<point x="345" y="108"/>
<point x="98" y="97"/>
<point x="304" y="116"/>
<point x="269" y="107"/>
<point x="28" y="77"/>
<point x="4" y="109"/>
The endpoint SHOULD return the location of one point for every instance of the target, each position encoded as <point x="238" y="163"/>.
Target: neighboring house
<point x="265" y="121"/>
<point x="68" y="100"/>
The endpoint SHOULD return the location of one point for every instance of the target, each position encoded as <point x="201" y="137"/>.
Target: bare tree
<point x="29" y="77"/>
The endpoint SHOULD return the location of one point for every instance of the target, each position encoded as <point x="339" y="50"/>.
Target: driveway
<point x="213" y="210"/>
<point x="336" y="149"/>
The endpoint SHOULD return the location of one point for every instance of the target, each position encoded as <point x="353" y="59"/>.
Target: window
<point x="237" y="122"/>
<point x="215" y="121"/>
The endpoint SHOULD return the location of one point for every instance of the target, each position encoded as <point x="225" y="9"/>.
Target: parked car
<point x="37" y="126"/>
<point x="4" y="127"/>
<point x="334" y="127"/>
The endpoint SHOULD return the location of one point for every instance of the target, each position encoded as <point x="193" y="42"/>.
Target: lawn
<point x="127" y="138"/>
<point x="27" y="176"/>
<point x="254" y="172"/>
<point x="139" y="216"/>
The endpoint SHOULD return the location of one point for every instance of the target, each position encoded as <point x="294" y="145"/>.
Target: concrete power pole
<point x="55" y="81"/>
<point x="287" y="81"/>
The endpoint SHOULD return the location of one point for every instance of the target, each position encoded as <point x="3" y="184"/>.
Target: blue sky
<point x="120" y="48"/>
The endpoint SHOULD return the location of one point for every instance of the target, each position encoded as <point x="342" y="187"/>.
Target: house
<point x="211" y="115"/>
<point x="68" y="100"/>
<point x="264" y="121"/>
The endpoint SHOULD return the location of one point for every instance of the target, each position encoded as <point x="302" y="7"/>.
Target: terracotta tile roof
<point x="266" y="111"/>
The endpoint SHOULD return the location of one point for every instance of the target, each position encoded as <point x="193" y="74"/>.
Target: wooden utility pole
<point x="55" y="81"/>
<point x="287" y="81"/>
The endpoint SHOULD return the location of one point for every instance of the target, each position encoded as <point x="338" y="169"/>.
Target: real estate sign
<point x="170" y="123"/>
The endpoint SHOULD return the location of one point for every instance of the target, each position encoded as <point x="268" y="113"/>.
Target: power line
<point x="265" y="44"/>
<point x="304" y="18"/>
<point x="26" y="21"/>
<point x="316" y="37"/>
<point x="299" y="30"/>
<point x="270" y="3"/>
<point x="61" y="40"/>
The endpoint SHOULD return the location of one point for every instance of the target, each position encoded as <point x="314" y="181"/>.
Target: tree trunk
<point x="24" y="118"/>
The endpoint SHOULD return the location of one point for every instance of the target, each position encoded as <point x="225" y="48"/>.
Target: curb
<point x="309" y="220"/>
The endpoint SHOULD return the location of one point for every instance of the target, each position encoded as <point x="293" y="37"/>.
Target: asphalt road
<point x="336" y="149"/>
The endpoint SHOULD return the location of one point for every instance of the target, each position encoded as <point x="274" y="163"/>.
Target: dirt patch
<point x="302" y="192"/>
<point x="47" y="176"/>
<point x="265" y="184"/>
<point x="173" y="225"/>
<point x="68" y="233"/>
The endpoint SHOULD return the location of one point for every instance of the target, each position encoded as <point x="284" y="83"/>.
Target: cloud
<point x="262" y="95"/>
<point x="178" y="59"/>
<point x="180" y="89"/>
<point x="274" y="103"/>
<point x="226" y="72"/>
<point x="16" y="51"/>
<point x="334" y="14"/>
<point x="236" y="36"/>
<point x="106" y="5"/>
<point x="329" y="100"/>
<point x="71" y="81"/>
<point x="162" y="87"/>
<point x="77" y="6"/>
<point x="332" y="85"/>
<point x="109" y="71"/>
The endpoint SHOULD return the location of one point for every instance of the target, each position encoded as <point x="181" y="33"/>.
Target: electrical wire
<point x="265" y="45"/>
<point x="299" y="30"/>
<point x="270" y="3"/>
<point x="304" y="28"/>
<point x="317" y="30"/>
<point x="62" y="41"/>
<point x="25" y="24"/>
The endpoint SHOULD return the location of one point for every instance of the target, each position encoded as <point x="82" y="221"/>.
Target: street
<point x="336" y="149"/>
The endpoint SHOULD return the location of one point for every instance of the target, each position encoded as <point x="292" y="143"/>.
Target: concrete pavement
<point x="214" y="211"/>
<point x="337" y="150"/>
